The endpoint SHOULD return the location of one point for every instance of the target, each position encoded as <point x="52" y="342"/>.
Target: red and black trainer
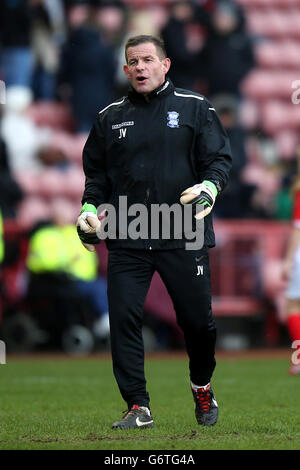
<point x="135" y="418"/>
<point x="206" y="407"/>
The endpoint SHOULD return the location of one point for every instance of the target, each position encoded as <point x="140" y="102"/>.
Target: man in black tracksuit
<point x="153" y="146"/>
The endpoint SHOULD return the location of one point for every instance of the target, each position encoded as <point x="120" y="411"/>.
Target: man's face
<point x="145" y="70"/>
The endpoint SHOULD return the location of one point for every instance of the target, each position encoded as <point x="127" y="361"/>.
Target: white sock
<point x="196" y="387"/>
<point x="144" y="408"/>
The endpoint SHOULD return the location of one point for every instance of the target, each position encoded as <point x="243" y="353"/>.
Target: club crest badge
<point x="173" y="120"/>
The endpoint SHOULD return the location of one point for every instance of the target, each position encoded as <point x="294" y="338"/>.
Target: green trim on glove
<point x="204" y="203"/>
<point x="212" y="186"/>
<point x="88" y="208"/>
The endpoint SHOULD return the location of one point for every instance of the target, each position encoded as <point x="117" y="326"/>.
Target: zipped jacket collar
<point x="163" y="90"/>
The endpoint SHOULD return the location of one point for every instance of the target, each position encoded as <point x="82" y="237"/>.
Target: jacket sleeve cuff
<point x="88" y="208"/>
<point x="212" y="185"/>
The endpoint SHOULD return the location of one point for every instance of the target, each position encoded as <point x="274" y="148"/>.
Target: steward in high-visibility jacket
<point x="54" y="248"/>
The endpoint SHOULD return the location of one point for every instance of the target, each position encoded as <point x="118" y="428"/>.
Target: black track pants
<point x="186" y="275"/>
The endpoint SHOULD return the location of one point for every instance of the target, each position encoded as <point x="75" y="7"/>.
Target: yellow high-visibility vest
<point x="55" y="248"/>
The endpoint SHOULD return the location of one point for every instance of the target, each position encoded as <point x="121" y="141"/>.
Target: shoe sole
<point x="145" y="426"/>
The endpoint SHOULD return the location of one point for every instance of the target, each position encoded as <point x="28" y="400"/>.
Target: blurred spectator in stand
<point x="87" y="66"/>
<point x="185" y="36"/>
<point x="149" y="20"/>
<point x="22" y="137"/>
<point x="1" y="243"/>
<point x="16" y="61"/>
<point x="10" y="192"/>
<point x="54" y="157"/>
<point x="291" y="274"/>
<point x="236" y="200"/>
<point x="264" y="173"/>
<point x="228" y="53"/>
<point x="112" y="20"/>
<point x="1" y="259"/>
<point x="48" y="36"/>
<point x="266" y="180"/>
<point x="57" y="260"/>
<point x="283" y="204"/>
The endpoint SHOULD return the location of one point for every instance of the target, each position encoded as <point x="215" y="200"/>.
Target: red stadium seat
<point x="289" y="53"/>
<point x="74" y="180"/>
<point x="284" y="84"/>
<point x="64" y="210"/>
<point x="274" y="116"/>
<point x="294" y="116"/>
<point x="33" y="210"/>
<point x="268" y="54"/>
<point x="236" y="306"/>
<point x="249" y="114"/>
<point x="277" y="115"/>
<point x="51" y="182"/>
<point x="71" y="145"/>
<point x="277" y="23"/>
<point x="263" y="84"/>
<point x="254" y="173"/>
<point x="293" y="22"/>
<point x="260" y="84"/>
<point x="52" y="114"/>
<point x="62" y="141"/>
<point x="28" y="181"/>
<point x="256" y="22"/>
<point x="77" y="147"/>
<point x="286" y="3"/>
<point x="274" y="23"/>
<point x="255" y="3"/>
<point x="286" y="142"/>
<point x="281" y="54"/>
<point x="67" y="183"/>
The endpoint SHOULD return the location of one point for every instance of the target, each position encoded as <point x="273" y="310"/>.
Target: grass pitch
<point x="61" y="403"/>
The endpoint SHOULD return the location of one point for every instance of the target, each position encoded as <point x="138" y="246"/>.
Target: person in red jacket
<point x="291" y="273"/>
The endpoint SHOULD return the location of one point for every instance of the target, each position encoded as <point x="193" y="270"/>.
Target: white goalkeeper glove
<point x="204" y="193"/>
<point x="88" y="225"/>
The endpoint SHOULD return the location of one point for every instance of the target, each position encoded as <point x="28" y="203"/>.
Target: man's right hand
<point x="88" y="225"/>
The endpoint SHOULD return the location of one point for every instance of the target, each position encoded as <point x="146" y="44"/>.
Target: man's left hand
<point x="204" y="193"/>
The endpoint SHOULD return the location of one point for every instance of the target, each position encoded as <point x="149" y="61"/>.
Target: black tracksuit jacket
<point x="150" y="151"/>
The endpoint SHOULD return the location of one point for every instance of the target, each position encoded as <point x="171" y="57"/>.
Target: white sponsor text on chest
<point x="122" y="124"/>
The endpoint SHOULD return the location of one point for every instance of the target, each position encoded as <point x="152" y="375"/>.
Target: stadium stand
<point x="275" y="28"/>
<point x="266" y="96"/>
